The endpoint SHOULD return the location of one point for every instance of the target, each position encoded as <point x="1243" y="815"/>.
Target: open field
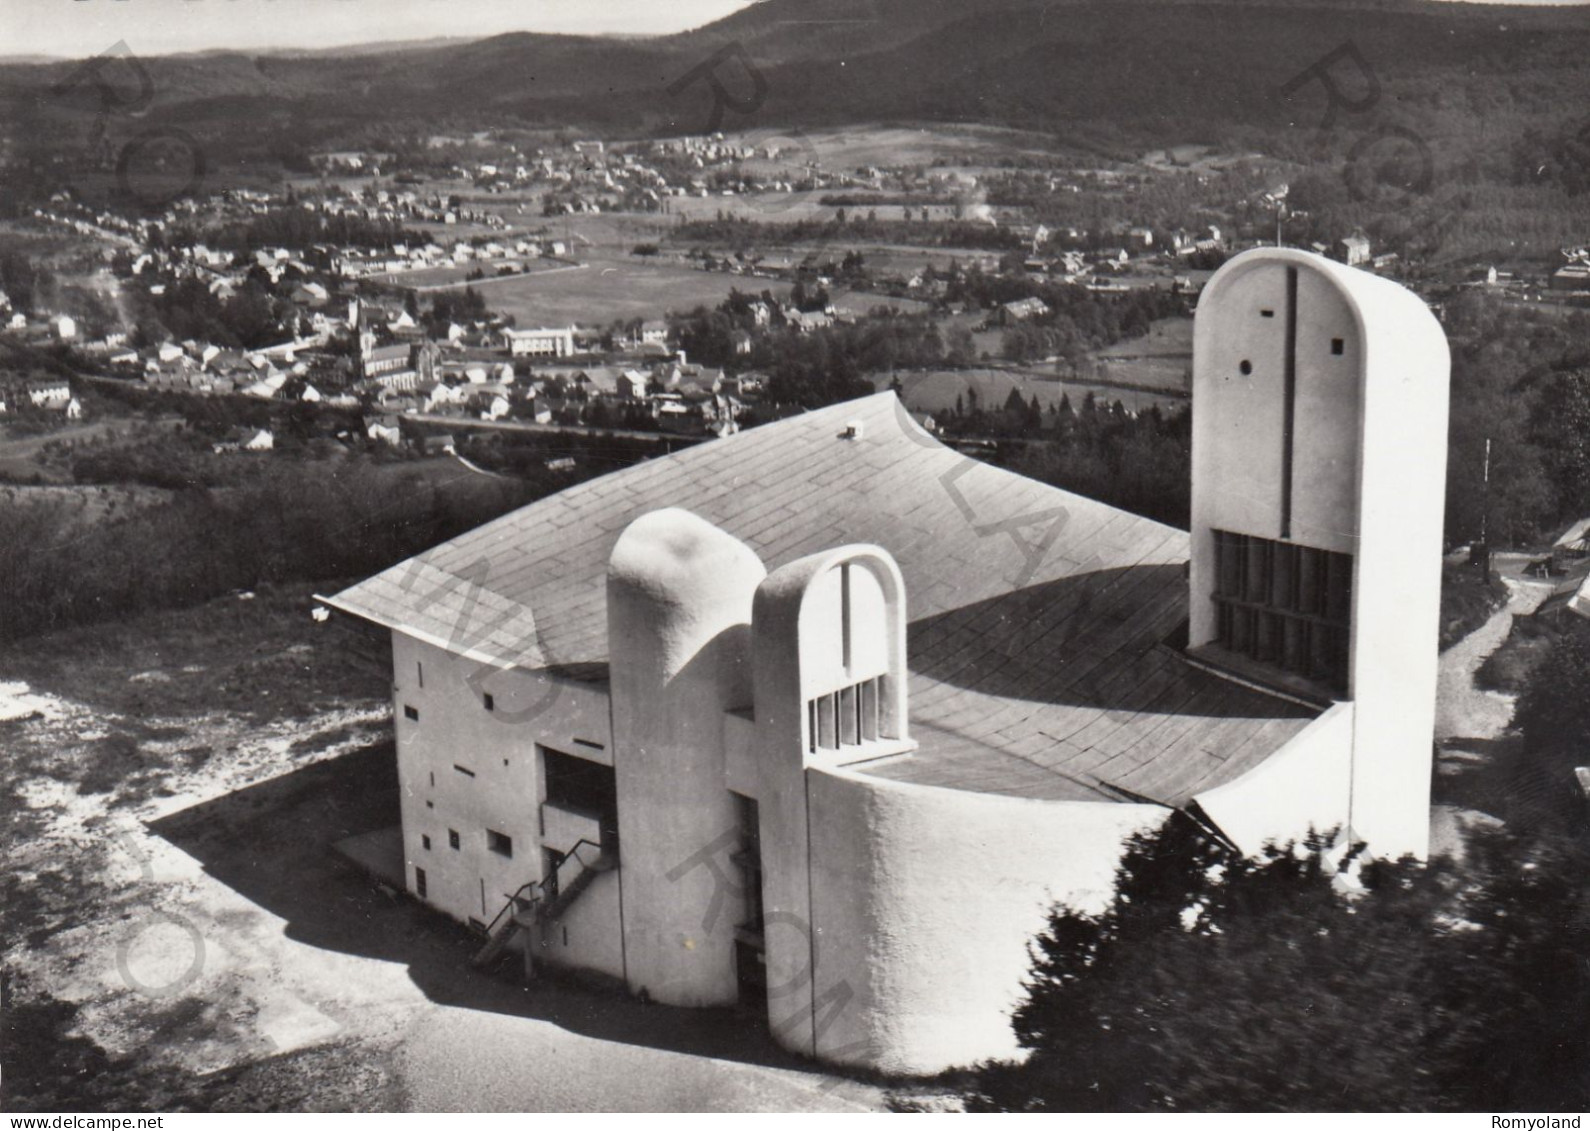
<point x="427" y="277"/>
<point x="849" y="147"/>
<point x="178" y="935"/>
<point x="613" y="288"/>
<point x="1160" y="359"/>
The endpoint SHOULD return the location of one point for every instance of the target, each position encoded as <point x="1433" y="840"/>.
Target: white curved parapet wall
<point x="925" y="902"/>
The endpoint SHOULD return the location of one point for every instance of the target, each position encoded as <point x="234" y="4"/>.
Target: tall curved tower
<point x="1318" y="482"/>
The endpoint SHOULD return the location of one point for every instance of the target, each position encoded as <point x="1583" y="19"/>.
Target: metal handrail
<point x="540" y="885"/>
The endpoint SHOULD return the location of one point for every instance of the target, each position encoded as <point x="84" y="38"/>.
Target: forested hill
<point x="1147" y="66"/>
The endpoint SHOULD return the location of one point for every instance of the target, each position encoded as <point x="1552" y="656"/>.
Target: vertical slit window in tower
<point x="1228" y="564"/>
<point x="844" y="612"/>
<point x="811" y="726"/>
<point x="1339" y="588"/>
<point x="827" y="728"/>
<point x="1289" y="403"/>
<point x="1308" y="580"/>
<point x="1241" y="628"/>
<point x="1283" y="577"/>
<point x="869" y="710"/>
<point x="849" y="721"/>
<point x="1294" y="645"/>
<point x="1267" y="637"/>
<point x="1258" y="579"/>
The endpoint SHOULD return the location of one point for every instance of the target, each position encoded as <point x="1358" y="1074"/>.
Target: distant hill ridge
<point x="1156" y="67"/>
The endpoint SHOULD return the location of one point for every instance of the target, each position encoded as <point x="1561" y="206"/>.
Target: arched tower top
<point x="828" y="642"/>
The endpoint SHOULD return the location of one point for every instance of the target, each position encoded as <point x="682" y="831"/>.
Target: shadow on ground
<point x="271" y="843"/>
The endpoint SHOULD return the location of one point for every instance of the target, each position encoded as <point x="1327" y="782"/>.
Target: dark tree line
<point x="301" y="228"/>
<point x="290" y="521"/>
<point x="1139" y="463"/>
<point x="749" y="235"/>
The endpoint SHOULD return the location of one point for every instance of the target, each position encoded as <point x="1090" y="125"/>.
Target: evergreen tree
<point x="1217" y="982"/>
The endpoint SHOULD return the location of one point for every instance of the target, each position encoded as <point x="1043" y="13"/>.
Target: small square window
<point x="452" y="838"/>
<point x="425" y="842"/>
<point x="491" y="704"/>
<point x="499" y="843"/>
<point x="430" y="805"/>
<point x="411" y="713"/>
<point x="1338" y="347"/>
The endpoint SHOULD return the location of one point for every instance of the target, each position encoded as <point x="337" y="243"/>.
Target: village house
<point x="1353" y="250"/>
<point x="1022" y="309"/>
<point x="54" y="392"/>
<point x="690" y="745"/>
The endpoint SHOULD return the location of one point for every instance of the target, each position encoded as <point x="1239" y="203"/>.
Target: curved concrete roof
<point x="1036" y="616"/>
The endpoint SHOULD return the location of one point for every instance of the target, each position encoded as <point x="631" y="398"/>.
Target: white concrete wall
<point x="454" y="728"/>
<point x="587" y="937"/>
<point x="1303" y="786"/>
<point x="679" y="593"/>
<point x="1397" y="585"/>
<point x="923" y="903"/>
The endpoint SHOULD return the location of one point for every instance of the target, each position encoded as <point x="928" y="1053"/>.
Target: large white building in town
<point x="824" y="716"/>
<point x="540" y="342"/>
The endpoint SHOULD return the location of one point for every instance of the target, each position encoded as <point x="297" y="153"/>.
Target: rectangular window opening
<point x="848" y="717"/>
<point x="1286" y="605"/>
<point x="500" y="843"/>
<point x="425" y="842"/>
<point x="419" y="882"/>
<point x="1338" y="347"/>
<point x="411" y="713"/>
<point x="490" y="703"/>
<point x="576" y="783"/>
<point x="452" y="839"/>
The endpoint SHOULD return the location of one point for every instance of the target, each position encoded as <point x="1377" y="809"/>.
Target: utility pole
<point x="1485" y="511"/>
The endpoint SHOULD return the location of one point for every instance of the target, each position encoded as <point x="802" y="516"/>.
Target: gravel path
<point x="1463" y="710"/>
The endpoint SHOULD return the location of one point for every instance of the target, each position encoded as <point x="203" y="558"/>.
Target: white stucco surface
<point x="924" y="901"/>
